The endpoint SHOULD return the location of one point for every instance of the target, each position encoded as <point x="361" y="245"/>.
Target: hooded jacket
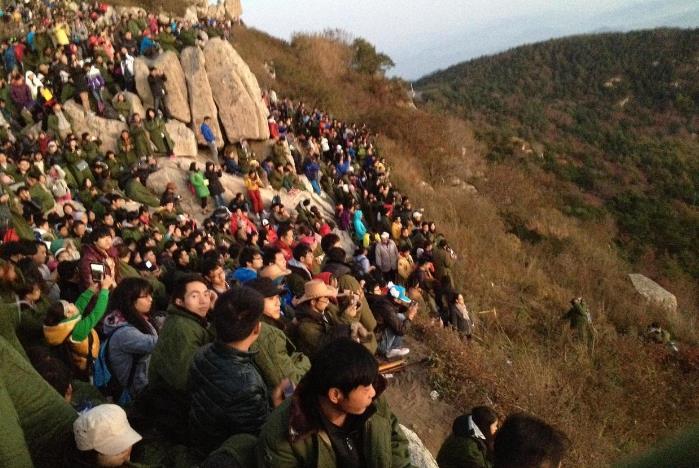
<point x="359" y="228"/>
<point x="78" y="330"/>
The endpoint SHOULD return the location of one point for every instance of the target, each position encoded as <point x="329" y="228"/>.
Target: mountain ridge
<point x="615" y="114"/>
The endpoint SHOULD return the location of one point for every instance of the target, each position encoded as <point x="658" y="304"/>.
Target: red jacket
<point x="286" y="250"/>
<point x="90" y="254"/>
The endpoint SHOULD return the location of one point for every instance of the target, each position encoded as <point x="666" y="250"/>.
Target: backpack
<point x="105" y="381"/>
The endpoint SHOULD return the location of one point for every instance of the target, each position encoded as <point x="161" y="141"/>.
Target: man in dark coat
<point x="156" y="81"/>
<point x="229" y="396"/>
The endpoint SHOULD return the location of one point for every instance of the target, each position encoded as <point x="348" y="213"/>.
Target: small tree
<point x="367" y="60"/>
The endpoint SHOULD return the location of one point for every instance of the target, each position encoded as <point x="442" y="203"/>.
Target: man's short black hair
<point x="283" y="230"/>
<point x="180" y="287"/>
<point x="301" y="250"/>
<point x="269" y="255"/>
<point x="343" y="364"/>
<point x="525" y="441"/>
<point x="236" y="314"/>
<point x="246" y="256"/>
<point x="208" y="264"/>
<point x="328" y="241"/>
<point x="100" y="232"/>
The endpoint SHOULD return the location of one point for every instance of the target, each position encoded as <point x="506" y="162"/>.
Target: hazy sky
<point x="422" y="36"/>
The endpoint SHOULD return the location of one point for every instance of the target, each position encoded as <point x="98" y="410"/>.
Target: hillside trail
<point x="408" y="395"/>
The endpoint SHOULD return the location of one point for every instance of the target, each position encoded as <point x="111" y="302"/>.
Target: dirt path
<point x="408" y="394"/>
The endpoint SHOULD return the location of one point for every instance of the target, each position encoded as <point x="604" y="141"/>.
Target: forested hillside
<point x="613" y="116"/>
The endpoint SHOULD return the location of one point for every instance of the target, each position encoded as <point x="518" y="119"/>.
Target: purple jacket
<point x="20" y="94"/>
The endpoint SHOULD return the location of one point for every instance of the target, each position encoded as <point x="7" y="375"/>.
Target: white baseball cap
<point x="104" y="429"/>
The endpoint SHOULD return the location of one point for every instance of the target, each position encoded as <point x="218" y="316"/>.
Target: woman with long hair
<point x="459" y="316"/>
<point x="130" y="334"/>
<point x="471" y="440"/>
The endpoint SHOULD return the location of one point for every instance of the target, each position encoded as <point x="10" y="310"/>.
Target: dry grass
<point x="615" y="400"/>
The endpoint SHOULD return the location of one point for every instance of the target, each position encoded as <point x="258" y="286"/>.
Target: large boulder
<point x="176" y="101"/>
<point x="190" y="15"/>
<point x="107" y="130"/>
<point x="183" y="137"/>
<point x="653" y="292"/>
<point x="140" y="70"/>
<point x="419" y="455"/>
<point x="201" y="99"/>
<point x="234" y="9"/>
<point x="236" y="92"/>
<point x="216" y="11"/>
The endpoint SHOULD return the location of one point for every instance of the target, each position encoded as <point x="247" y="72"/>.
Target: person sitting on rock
<point x="158" y="134"/>
<point x="139" y="135"/>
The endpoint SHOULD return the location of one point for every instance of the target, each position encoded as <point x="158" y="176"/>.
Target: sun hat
<point x="316" y="288"/>
<point x="398" y="292"/>
<point x="104" y="429"/>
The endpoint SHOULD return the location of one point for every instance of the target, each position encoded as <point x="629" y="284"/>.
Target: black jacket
<point x="215" y="186"/>
<point x="386" y="312"/>
<point x="157" y="85"/>
<point x="228" y="396"/>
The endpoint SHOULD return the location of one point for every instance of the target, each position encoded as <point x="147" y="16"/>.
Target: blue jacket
<point x="146" y="43"/>
<point x="343" y="168"/>
<point x="311" y="170"/>
<point x="10" y="59"/>
<point x="244" y="274"/>
<point x="359" y="227"/>
<point x="207" y="133"/>
<point x="129" y="347"/>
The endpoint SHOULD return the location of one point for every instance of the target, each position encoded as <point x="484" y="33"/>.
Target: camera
<point x="96" y="272"/>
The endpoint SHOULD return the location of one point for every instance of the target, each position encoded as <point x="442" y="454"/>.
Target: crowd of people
<point x="131" y="331"/>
